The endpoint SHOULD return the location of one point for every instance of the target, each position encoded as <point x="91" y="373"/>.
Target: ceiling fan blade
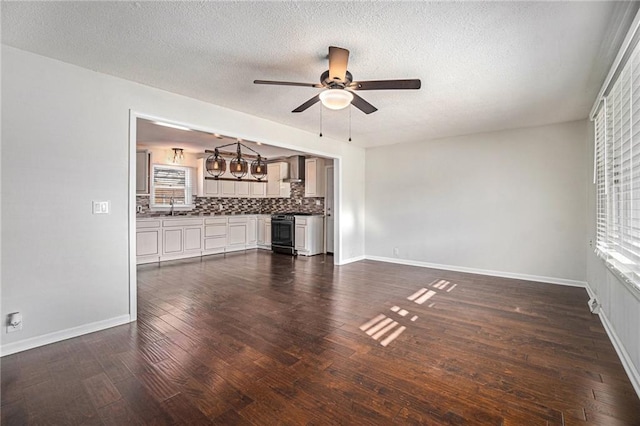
<point x="286" y="83"/>
<point x="338" y="59"/>
<point x="307" y="104"/>
<point x="385" y="84"/>
<point x="362" y="105"/>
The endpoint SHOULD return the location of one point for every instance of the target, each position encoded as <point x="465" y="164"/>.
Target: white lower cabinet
<point x="148" y="241"/>
<point x="237" y="234"/>
<point x="159" y="239"/>
<point x="309" y="235"/>
<point x="264" y="232"/>
<point x="172" y="238"/>
<point x="252" y="232"/>
<point x="215" y="235"/>
<point x="181" y="238"/>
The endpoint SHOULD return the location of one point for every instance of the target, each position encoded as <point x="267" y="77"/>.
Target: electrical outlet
<point x="396" y="251"/>
<point x="14" y="322"/>
<point x="220" y="207"/>
<point x="317" y="202"/>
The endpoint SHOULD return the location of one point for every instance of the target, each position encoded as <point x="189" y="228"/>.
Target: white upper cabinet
<point x="314" y="177"/>
<point x="242" y="188"/>
<point x="276" y="187"/>
<point x="258" y="189"/>
<point x="143" y="161"/>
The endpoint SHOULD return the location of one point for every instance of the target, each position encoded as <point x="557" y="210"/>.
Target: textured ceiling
<point x="484" y="65"/>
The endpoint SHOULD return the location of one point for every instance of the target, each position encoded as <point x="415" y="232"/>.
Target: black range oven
<point x="283" y="233"/>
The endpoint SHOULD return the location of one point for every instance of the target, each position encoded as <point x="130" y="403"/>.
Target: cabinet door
<point x="267" y="233"/>
<point x="273" y="180"/>
<point x="172" y="239"/>
<point x="314" y="178"/>
<point x="237" y="234"/>
<point x="252" y="231"/>
<point x="211" y="187"/>
<point x="228" y="188"/>
<point x="242" y="189"/>
<point x="148" y="242"/>
<point x="193" y="238"/>
<point x="260" y="231"/>
<point x="258" y="189"/>
<point x="301" y="237"/>
<point x="310" y="180"/>
<point x="142" y="172"/>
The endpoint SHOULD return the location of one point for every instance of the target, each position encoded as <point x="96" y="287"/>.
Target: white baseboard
<point x="631" y="370"/>
<point x="57" y="336"/>
<point x="527" y="277"/>
<point x="351" y="260"/>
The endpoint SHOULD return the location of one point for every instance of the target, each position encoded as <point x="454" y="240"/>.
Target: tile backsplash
<point x="206" y="205"/>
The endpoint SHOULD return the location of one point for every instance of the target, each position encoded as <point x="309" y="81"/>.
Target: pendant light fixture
<point x="238" y="166"/>
<point x="215" y="164"/>
<point x="178" y="155"/>
<point x="259" y="168"/>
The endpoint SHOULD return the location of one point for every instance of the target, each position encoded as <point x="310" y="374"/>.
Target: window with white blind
<point x="171" y="186"/>
<point x="617" y="173"/>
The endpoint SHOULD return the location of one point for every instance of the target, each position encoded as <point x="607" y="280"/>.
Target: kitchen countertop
<point x="191" y="215"/>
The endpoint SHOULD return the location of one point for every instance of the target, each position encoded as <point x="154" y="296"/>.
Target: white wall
<point x="620" y="306"/>
<point x="508" y="203"/>
<point x="65" y="142"/>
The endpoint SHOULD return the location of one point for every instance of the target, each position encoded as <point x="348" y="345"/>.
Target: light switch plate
<point x="100" y="207"/>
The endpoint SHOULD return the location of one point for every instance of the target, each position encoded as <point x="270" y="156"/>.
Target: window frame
<point x="187" y="189"/>
<point x="617" y="174"/>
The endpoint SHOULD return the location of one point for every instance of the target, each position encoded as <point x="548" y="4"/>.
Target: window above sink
<point x="172" y="188"/>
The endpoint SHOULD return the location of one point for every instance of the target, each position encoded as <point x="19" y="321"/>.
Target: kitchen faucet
<point x="171" y="203"/>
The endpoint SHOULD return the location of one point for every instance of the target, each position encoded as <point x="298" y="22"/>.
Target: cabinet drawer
<point x="216" y="221"/>
<point x="148" y="224"/>
<point x="301" y="221"/>
<point x="181" y="222"/>
<point x="215" y="231"/>
<point x="237" y="220"/>
<point x="215" y="243"/>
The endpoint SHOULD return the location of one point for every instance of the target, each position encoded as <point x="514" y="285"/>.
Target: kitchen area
<point x="203" y="194"/>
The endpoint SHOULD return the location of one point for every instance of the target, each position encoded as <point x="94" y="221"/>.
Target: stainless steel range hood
<point x="296" y="169"/>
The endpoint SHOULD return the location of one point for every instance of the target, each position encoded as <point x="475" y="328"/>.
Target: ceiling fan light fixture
<point x="336" y="98"/>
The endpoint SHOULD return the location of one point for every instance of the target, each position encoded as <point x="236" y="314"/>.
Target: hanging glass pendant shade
<point x="215" y="164"/>
<point x="259" y="168"/>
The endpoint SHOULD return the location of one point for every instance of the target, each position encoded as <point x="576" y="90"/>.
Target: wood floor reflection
<point x="255" y="338"/>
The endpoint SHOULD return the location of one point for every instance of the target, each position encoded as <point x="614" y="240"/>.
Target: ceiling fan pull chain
<point x="320" y="120"/>
<point x="349" y="123"/>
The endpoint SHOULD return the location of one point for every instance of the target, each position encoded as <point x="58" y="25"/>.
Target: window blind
<point x="171" y="185"/>
<point x="617" y="173"/>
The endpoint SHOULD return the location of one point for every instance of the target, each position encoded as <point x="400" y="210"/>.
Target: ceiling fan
<point x="339" y="86"/>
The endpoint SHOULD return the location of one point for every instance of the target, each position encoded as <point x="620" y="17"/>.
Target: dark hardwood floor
<point x="259" y="339"/>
